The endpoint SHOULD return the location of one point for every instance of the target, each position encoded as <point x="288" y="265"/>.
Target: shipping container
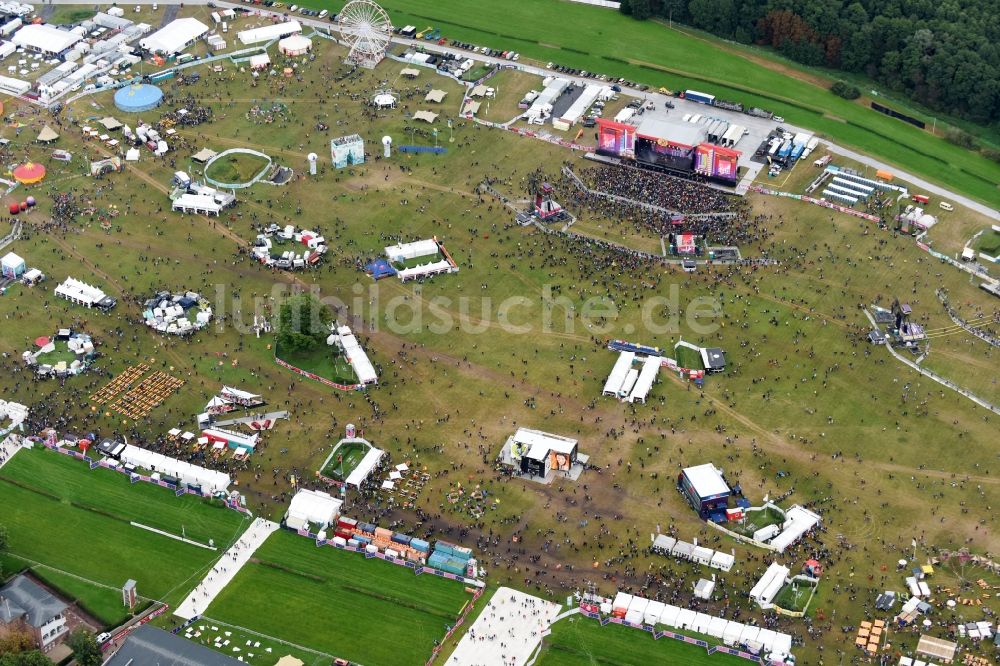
<point x="340" y="541"/>
<point x="420" y="544"/>
<point x="403" y="539"/>
<point x="371" y="549"/>
<point x="389" y="552"/>
<point x="349" y="523"/>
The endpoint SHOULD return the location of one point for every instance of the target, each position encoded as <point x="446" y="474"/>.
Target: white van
<point x="945" y="205"/>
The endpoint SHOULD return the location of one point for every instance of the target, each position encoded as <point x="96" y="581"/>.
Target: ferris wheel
<point x="366" y="28"/>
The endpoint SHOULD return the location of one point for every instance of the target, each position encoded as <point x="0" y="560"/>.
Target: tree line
<point x="941" y="53"/>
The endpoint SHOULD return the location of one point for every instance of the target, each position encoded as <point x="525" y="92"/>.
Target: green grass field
<point x="988" y="242"/>
<point x="688" y="358"/>
<point x="606" y="41"/>
<point x="340" y="603"/>
<point x="236" y="168"/>
<point x="351" y="453"/>
<point x="578" y="640"/>
<point x="794" y="597"/>
<point x="61" y="354"/>
<point x="756" y="520"/>
<point x="73" y="523"/>
<point x="324" y="361"/>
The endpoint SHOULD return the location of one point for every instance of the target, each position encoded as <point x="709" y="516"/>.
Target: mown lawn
<point x="73" y="525"/>
<point x="338" y="602"/>
<point x="579" y="641"/>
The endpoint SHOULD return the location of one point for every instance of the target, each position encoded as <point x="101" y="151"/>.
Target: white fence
<point x="600" y="3"/>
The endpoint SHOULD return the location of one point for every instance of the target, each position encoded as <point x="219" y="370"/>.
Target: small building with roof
<point x="149" y="645"/>
<point x="27" y="606"/>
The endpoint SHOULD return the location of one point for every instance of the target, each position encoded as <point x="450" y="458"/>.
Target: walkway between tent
<point x="8" y="447"/>
<point x="226" y="568"/>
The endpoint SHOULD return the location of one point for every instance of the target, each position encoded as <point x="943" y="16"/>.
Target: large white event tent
<point x="422" y="248"/>
<point x="76" y="291"/>
<point x="312" y="506"/>
<point x="365" y="467"/>
<point x="354" y="354"/>
<point x="627" y="383"/>
<point x="618" y="373"/>
<point x="650" y="368"/>
<point x="208" y="479"/>
<point x="798" y="521"/>
<point x="268" y="32"/>
<point x="769" y="584"/>
<point x="44" y="38"/>
<point x="637" y="609"/>
<point x="175" y="36"/>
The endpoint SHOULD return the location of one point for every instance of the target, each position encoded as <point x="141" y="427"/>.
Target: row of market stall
<point x="641" y="611"/>
<point x="692" y="552"/>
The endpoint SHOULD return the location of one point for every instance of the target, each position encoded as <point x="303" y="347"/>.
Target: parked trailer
<point x="921" y="198"/>
<point x="700" y="97"/>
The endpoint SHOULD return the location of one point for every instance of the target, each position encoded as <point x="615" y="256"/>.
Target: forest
<point x="944" y="54"/>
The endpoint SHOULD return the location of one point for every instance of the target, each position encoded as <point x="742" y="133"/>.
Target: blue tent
<point x="379" y="269"/>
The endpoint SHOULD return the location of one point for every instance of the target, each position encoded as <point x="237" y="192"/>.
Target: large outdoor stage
<point x="671" y="149"/>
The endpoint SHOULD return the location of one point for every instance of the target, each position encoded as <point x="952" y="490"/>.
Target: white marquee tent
<point x="365" y="467"/>
<point x="173" y="37"/>
<point x="268" y="33"/>
<point x="208" y="479"/>
<point x="312" y="506"/>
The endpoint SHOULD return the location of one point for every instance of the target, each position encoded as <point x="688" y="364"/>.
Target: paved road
<point x="650" y="94"/>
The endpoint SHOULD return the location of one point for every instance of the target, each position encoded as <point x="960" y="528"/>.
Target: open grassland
<point x="877" y="448"/>
<point x="74" y="524"/>
<point x="341" y="603"/>
<point x="580" y="640"/>
<point x="606" y="41"/>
